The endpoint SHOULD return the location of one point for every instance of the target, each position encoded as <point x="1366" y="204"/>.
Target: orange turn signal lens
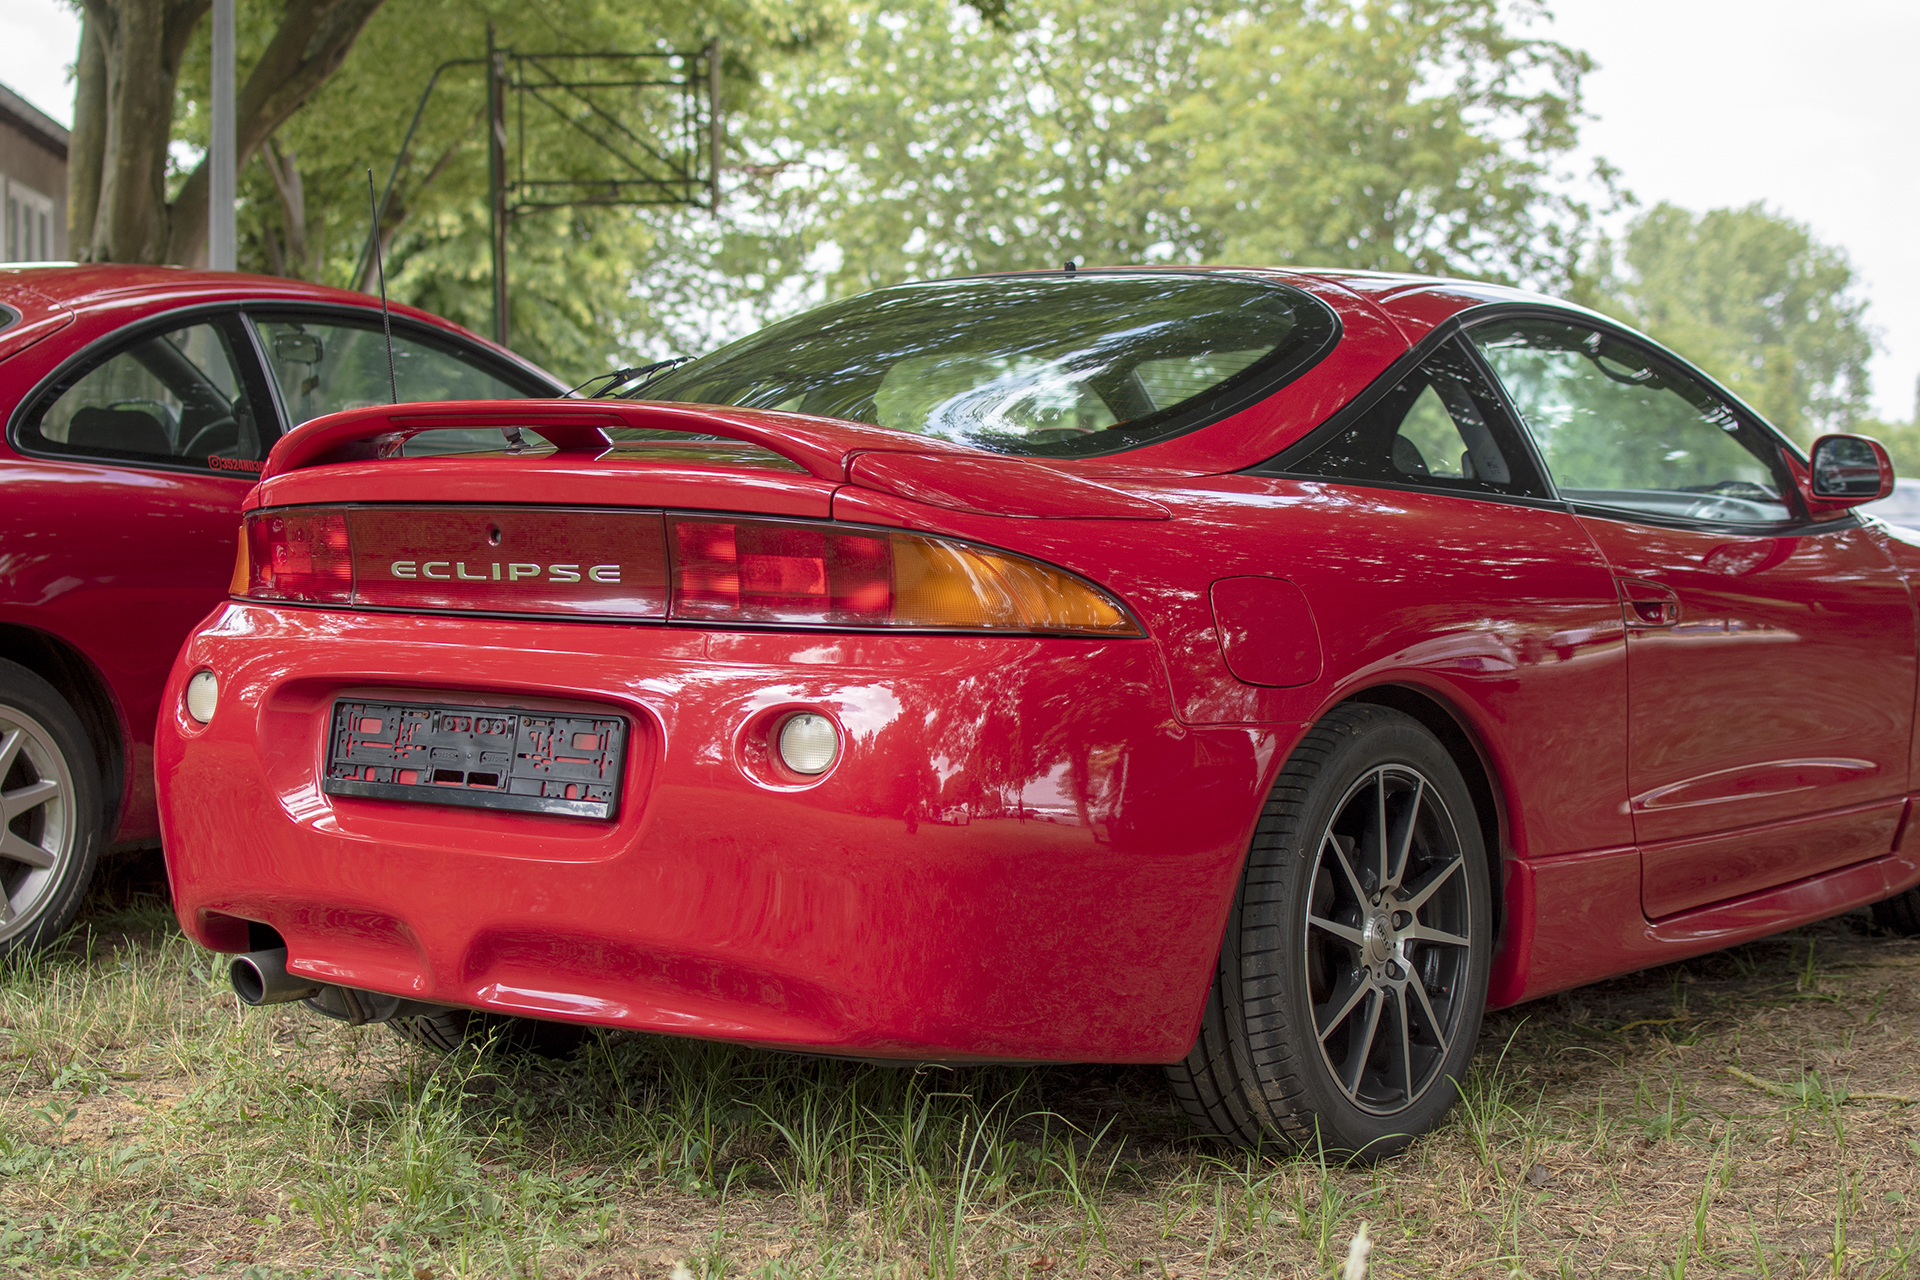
<point x="242" y="571"/>
<point x="946" y="584"/>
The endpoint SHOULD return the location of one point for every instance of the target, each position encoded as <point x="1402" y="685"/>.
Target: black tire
<point x="1261" y="1073"/>
<point x="454" y="1029"/>
<point x="1899" y="914"/>
<point x="52" y="818"/>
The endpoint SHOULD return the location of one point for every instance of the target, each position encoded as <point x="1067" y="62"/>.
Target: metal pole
<point x="713" y="124"/>
<point x="222" y="235"/>
<point x="497" y="179"/>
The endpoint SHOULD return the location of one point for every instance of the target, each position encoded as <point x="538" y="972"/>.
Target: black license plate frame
<point x="518" y="759"/>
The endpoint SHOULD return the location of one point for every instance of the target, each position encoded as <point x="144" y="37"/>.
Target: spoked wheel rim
<point x="1389" y="938"/>
<point x="36" y="819"/>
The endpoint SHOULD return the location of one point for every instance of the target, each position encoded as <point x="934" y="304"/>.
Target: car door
<point x="122" y="513"/>
<point x="1770" y="660"/>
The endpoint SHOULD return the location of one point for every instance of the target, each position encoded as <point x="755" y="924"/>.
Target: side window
<point x="1618" y="428"/>
<point x="1440" y="428"/>
<point x="176" y="396"/>
<point x="327" y="363"/>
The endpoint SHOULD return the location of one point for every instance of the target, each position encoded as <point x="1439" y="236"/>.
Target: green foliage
<point x="304" y="204"/>
<point x="1902" y="440"/>
<point x="1409" y="135"/>
<point x="1751" y="297"/>
<point x="873" y="143"/>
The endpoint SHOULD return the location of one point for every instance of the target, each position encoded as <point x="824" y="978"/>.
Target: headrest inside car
<point x="122" y="430"/>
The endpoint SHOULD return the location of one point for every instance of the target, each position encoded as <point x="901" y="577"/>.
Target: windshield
<point x="1062" y="365"/>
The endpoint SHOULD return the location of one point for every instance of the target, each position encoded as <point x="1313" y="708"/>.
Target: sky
<point x="1810" y="109"/>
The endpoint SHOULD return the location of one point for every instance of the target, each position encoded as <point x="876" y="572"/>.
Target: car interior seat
<point x="121" y="430"/>
<point x="1407" y="458"/>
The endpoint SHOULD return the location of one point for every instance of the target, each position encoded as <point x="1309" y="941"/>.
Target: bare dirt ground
<point x="1748" y="1113"/>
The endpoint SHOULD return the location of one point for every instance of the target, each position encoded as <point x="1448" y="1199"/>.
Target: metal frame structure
<point x="597" y="96"/>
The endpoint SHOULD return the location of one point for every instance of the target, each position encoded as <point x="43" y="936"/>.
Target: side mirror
<point x="1849" y="470"/>
<point x="297" y="348"/>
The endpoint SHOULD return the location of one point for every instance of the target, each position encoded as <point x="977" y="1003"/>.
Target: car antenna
<point x="1068" y="266"/>
<point x="386" y="321"/>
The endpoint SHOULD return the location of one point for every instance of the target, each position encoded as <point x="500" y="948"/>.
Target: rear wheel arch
<point x="1470" y="756"/>
<point x="80" y="683"/>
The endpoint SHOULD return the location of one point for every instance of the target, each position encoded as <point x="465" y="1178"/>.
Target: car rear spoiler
<point x="919" y="468"/>
<point x="822" y="447"/>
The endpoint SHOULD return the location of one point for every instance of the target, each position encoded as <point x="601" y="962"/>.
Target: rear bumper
<point x="1020" y="853"/>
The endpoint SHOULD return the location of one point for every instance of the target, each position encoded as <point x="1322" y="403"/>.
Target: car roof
<point x="1415" y="304"/>
<point x="77" y="287"/>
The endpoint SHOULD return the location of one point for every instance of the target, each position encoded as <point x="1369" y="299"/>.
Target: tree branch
<point x="313" y="38"/>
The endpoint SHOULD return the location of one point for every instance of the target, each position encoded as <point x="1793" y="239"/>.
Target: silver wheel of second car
<point x="49" y="824"/>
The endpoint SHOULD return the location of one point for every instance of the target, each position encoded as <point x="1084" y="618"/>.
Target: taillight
<point x="561" y="562"/>
<point x="300" y="554"/>
<point x="750" y="571"/>
<point x="827" y="575"/>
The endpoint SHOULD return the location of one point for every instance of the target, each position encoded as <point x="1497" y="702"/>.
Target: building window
<point x="28" y="233"/>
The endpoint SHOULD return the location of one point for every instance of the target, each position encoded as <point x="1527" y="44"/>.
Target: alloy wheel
<point x="37" y="826"/>
<point x="1388" y="936"/>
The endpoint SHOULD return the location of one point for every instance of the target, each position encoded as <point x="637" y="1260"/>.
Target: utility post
<point x="223" y="248"/>
<point x="715" y="136"/>
<point x="497" y="180"/>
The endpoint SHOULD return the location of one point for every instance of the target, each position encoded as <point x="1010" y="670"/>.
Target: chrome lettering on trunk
<point x="437" y="570"/>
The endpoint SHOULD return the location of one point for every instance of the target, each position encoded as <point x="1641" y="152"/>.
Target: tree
<point x="1752" y="298"/>
<point x="1398" y="134"/>
<point x="304" y="206"/>
<point x="126" y="74"/>
<point x="876" y="142"/>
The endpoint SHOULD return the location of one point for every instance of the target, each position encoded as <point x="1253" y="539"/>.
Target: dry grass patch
<point x="1739" y="1114"/>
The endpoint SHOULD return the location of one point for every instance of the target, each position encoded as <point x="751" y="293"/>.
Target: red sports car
<point x="140" y="403"/>
<point x="1261" y="673"/>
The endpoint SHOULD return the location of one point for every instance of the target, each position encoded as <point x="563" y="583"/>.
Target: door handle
<point x="1648" y="604"/>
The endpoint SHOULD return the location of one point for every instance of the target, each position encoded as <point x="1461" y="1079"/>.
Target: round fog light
<point x="809" y="743"/>
<point x="203" y="692"/>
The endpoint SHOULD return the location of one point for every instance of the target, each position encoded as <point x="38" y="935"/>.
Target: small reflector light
<point x="203" y="694"/>
<point x="809" y="743"/>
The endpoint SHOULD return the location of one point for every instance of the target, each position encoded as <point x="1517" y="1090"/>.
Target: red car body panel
<point x="1018" y="903"/>
<point x="112" y="561"/>
<point x="1030" y="845"/>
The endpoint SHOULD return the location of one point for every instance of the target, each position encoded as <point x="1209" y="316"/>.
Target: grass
<point x="1742" y="1114"/>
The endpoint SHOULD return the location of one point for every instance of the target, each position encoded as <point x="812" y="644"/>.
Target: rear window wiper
<point x="611" y="382"/>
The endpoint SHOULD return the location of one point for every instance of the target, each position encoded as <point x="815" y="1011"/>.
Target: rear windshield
<point x="1062" y="365"/>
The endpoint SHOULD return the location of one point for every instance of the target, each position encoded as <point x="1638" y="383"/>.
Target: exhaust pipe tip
<point x="261" y="977"/>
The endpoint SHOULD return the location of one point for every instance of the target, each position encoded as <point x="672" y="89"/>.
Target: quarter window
<point x="176" y="396"/>
<point x="1440" y="427"/>
<point x="325" y="364"/>
<point x="1618" y="428"/>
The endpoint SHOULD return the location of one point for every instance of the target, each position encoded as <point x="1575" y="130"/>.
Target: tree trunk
<point x="313" y="39"/>
<point x="125" y="75"/>
<point x="142" y="43"/>
<point x="87" y="144"/>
